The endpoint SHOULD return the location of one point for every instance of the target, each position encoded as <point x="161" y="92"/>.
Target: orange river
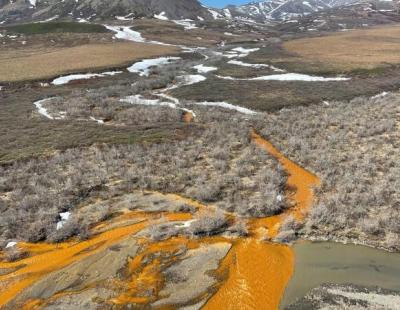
<point x="255" y="272"/>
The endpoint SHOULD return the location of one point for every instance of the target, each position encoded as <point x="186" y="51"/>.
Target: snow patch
<point x="188" y="24"/>
<point x="138" y="99"/>
<point x="42" y="110"/>
<point x="143" y="67"/>
<point x="287" y="77"/>
<point x="126" y="33"/>
<point x="226" y="105"/>
<point x="258" y="66"/>
<point x="73" y="77"/>
<point x="11" y="244"/>
<point x="64" y="218"/>
<point x="161" y="16"/>
<point x="204" y="69"/>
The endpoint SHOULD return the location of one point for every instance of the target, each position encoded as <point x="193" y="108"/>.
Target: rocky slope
<point x="39" y="10"/>
<point x="284" y="10"/>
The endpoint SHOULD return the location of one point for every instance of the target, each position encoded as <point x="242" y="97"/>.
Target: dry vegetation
<point x="354" y="148"/>
<point x="357" y="49"/>
<point x="39" y="64"/>
<point x="219" y="165"/>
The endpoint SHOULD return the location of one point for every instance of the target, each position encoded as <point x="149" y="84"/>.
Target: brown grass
<point x="45" y="63"/>
<point x="358" y="49"/>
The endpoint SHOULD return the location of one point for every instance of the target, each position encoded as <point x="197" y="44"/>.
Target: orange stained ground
<point x="260" y="271"/>
<point x="256" y="271"/>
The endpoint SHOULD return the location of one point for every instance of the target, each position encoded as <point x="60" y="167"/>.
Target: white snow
<point x="287" y="77"/>
<point x="244" y="64"/>
<point x="32" y="2"/>
<point x="190" y="79"/>
<point x="64" y="218"/>
<point x="143" y="67"/>
<point x="188" y="24"/>
<point x="1" y="88"/>
<point x="214" y="14"/>
<point x="11" y="244"/>
<point x="100" y="121"/>
<point x="126" y="33"/>
<point x="49" y="19"/>
<point x="381" y="95"/>
<point x="125" y="18"/>
<point x="204" y="69"/>
<point x="243" y="52"/>
<point x="161" y="16"/>
<point x="226" y="105"/>
<point x="41" y="109"/>
<point x="185" y="224"/>
<point x="73" y="77"/>
<point x="138" y="99"/>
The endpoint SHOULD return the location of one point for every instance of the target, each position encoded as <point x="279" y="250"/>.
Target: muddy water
<point x="327" y="262"/>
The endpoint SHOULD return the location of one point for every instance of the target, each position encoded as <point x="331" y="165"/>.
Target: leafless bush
<point x="353" y="147"/>
<point x="14" y="253"/>
<point x="209" y="223"/>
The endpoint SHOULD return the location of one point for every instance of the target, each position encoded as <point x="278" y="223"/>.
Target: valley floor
<point x="189" y="172"/>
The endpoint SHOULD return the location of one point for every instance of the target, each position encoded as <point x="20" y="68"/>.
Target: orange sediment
<point x="258" y="274"/>
<point x="299" y="179"/>
<point x="259" y="271"/>
<point x="256" y="271"/>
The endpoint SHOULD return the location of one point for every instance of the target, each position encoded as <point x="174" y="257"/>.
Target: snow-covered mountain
<point x="26" y="10"/>
<point x="281" y="10"/>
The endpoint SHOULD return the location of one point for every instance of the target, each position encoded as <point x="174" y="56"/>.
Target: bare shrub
<point x="209" y="223"/>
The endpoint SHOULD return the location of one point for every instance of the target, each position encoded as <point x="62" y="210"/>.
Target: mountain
<point x="35" y="10"/>
<point x="281" y="10"/>
<point x="278" y="11"/>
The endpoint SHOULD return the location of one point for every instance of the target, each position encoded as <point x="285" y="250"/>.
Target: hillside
<point x="24" y="10"/>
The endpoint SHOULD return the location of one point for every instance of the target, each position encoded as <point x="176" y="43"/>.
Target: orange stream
<point x="260" y="271"/>
<point x="256" y="271"/>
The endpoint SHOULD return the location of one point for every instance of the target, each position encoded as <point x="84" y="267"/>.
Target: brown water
<point x="328" y="262"/>
<point x="257" y="272"/>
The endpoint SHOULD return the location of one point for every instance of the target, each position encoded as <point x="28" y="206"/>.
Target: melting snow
<point x="204" y="69"/>
<point x="73" y="77"/>
<point x="41" y="109"/>
<point x="186" y="23"/>
<point x="243" y="52"/>
<point x="381" y="95"/>
<point x="226" y="105"/>
<point x="190" y="79"/>
<point x="64" y="218"/>
<point x="143" y="67"/>
<point x="138" y="99"/>
<point x="287" y="77"/>
<point x="161" y="16"/>
<point x="126" y="33"/>
<point x="11" y="244"/>
<point x="100" y="121"/>
<point x="244" y="64"/>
